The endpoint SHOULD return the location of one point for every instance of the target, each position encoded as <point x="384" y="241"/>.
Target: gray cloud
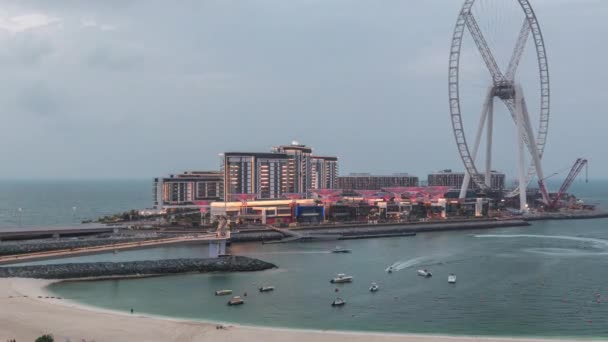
<point x="41" y="100"/>
<point x="113" y="58"/>
<point x="160" y="87"/>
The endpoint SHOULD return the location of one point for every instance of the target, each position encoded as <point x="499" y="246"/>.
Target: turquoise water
<point x="542" y="280"/>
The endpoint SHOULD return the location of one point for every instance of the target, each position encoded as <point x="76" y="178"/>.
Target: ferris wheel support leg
<point x="482" y="121"/>
<point x="490" y="119"/>
<point x="520" y="151"/>
<point x="533" y="148"/>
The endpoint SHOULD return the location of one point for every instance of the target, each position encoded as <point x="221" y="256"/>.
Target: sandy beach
<point x="24" y="316"/>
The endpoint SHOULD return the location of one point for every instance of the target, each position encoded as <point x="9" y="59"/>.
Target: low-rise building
<point x="454" y="180"/>
<point x="366" y="181"/>
<point x="188" y="188"/>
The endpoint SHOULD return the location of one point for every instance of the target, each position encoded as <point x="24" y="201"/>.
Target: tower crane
<point x="574" y="171"/>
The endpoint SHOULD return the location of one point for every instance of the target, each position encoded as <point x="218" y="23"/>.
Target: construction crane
<point x="574" y="171"/>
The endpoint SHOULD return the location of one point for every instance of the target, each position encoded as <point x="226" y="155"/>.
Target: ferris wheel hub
<point x="504" y="90"/>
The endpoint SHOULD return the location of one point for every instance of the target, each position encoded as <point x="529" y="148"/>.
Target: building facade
<point x="261" y="175"/>
<point x="454" y="180"/>
<point x="288" y="169"/>
<point x="188" y="188"/>
<point x="299" y="175"/>
<point x="324" y="173"/>
<point x="366" y="181"/>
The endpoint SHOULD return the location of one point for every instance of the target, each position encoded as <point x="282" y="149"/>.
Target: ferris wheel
<point x="503" y="85"/>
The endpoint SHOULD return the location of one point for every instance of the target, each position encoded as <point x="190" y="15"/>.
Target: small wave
<point x="563" y="252"/>
<point x="596" y="242"/>
<point x="287" y="252"/>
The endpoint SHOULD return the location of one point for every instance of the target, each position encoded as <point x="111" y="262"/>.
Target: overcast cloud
<point x="144" y="88"/>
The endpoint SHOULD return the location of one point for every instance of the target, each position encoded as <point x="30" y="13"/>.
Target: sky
<point x="138" y="89"/>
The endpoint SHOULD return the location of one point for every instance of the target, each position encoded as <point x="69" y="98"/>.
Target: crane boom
<point x="576" y="169"/>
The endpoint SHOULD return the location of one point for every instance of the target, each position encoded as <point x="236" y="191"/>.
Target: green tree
<point x="45" y="338"/>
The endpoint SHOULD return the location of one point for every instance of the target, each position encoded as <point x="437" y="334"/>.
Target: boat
<point x="390" y="269"/>
<point x="223" y="292"/>
<point x="452" y="279"/>
<point x="266" y="288"/>
<point x="338" y="249"/>
<point x="425" y="273"/>
<point x="341" y="278"/>
<point x="338" y="302"/>
<point x="236" y="300"/>
<point x="374" y="287"/>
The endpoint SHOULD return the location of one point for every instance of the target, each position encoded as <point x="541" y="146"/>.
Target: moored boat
<point x="374" y="287"/>
<point x="266" y="288"/>
<point x="452" y="279"/>
<point x="341" y="278"/>
<point x="223" y="292"/>
<point x="338" y="302"/>
<point x="236" y="300"/>
<point x="425" y="273"/>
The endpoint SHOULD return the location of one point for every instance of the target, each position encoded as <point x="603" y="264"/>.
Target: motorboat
<point x="452" y="279"/>
<point x="374" y="287"/>
<point x="339" y="249"/>
<point x="341" y="278"/>
<point x="223" y="292"/>
<point x="425" y="273"/>
<point x="338" y="302"/>
<point x="390" y="269"/>
<point x="266" y="288"/>
<point x="236" y="300"/>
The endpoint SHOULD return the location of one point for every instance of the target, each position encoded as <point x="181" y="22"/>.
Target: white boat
<point x="341" y="278"/>
<point x="338" y="249"/>
<point x="452" y="279"/>
<point x="266" y="288"/>
<point x="236" y="300"/>
<point x="223" y="292"/>
<point x="374" y="287"/>
<point x="338" y="302"/>
<point x="425" y="273"/>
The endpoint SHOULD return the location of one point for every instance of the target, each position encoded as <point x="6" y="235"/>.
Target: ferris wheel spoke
<point x="484" y="49"/>
<point x="524" y="33"/>
<point x="512" y="107"/>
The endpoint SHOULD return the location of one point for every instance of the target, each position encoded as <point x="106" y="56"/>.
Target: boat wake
<point x="403" y="264"/>
<point x="592" y="246"/>
<point x="597" y="242"/>
<point x="567" y="252"/>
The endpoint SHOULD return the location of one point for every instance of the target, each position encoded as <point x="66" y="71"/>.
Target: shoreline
<point x="25" y="318"/>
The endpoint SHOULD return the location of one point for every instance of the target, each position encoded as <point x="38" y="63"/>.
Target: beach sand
<point x="25" y="318"/>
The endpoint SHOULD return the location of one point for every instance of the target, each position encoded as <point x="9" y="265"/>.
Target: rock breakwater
<point x="136" y="268"/>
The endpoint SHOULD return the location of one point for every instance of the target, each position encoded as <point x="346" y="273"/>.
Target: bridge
<point x="217" y="247"/>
